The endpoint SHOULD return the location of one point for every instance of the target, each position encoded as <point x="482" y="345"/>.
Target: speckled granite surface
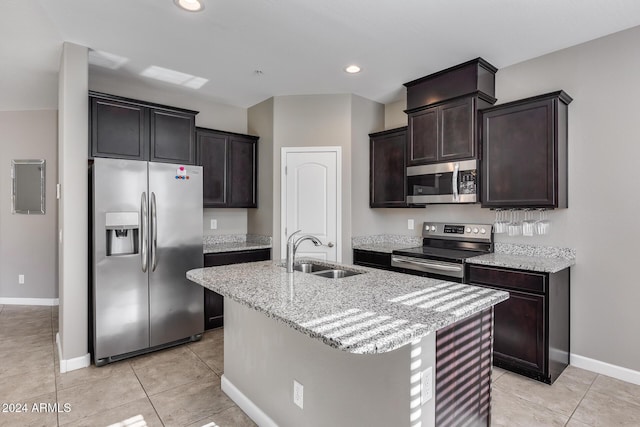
<point x="374" y="312"/>
<point x="234" y="242"/>
<point x="385" y="242"/>
<point x="545" y="259"/>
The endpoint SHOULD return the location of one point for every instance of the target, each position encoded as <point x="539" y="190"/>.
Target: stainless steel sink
<point x="328" y="271"/>
<point x="309" y="267"/>
<point x="336" y="274"/>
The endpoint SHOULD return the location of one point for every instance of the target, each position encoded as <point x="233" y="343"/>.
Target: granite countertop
<point x="544" y="259"/>
<point x="374" y="312"/>
<point x="234" y="243"/>
<point x="385" y="242"/>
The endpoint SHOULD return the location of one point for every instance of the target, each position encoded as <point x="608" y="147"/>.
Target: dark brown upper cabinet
<point x="126" y="128"/>
<point x="442" y="110"/>
<point x="524" y="147"/>
<point x="444" y="132"/>
<point x="388" y="168"/>
<point x="173" y="137"/>
<point x="229" y="162"/>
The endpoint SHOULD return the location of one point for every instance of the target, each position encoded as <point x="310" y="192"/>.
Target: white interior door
<point x="310" y="195"/>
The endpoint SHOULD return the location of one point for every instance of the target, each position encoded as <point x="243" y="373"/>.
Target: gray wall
<point x="367" y="117"/>
<point x="308" y="121"/>
<point x="260" y="122"/>
<point x="601" y="221"/>
<point x="28" y="242"/>
<point x="311" y="121"/>
<point x="229" y="221"/>
<point x="73" y="132"/>
<point x="211" y="114"/>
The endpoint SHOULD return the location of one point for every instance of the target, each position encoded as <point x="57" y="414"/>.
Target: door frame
<point x="283" y="192"/>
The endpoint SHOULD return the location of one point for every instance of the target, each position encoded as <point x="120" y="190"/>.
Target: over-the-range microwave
<point x="453" y="182"/>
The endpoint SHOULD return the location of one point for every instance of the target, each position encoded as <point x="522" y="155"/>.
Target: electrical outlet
<point x="298" y="393"/>
<point x="214" y="224"/>
<point x="410" y="224"/>
<point x="21" y="279"/>
<point x="426" y="385"/>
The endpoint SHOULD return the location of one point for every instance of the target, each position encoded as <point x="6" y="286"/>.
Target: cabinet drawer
<point x="237" y="257"/>
<point x="511" y="279"/>
<point x="372" y="259"/>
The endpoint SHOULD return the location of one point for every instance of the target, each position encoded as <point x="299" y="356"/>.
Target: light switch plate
<point x="426" y="385"/>
<point x="410" y="224"/>
<point x="214" y="224"/>
<point x="298" y="394"/>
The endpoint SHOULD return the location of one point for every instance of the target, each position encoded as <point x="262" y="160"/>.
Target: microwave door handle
<point x="454" y="182"/>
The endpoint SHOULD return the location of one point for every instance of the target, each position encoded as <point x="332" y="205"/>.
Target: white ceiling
<point x="300" y="46"/>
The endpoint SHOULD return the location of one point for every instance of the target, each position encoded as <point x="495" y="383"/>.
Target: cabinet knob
<point x="330" y="244"/>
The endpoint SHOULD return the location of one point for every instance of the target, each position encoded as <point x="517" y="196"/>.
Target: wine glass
<point x="500" y="225"/>
<point x="543" y="224"/>
<point x="515" y="226"/>
<point x="529" y="224"/>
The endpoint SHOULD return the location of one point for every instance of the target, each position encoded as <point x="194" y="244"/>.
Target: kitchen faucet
<point x="292" y="247"/>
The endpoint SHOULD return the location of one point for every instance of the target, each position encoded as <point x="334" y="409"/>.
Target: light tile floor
<point x="181" y="387"/>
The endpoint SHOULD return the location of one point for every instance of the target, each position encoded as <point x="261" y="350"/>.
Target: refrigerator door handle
<point x="144" y="238"/>
<point x="154" y="232"/>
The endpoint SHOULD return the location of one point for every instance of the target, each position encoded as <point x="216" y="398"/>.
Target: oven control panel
<point x="457" y="231"/>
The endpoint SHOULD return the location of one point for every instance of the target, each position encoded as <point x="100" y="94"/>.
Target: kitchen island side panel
<point x="264" y="356"/>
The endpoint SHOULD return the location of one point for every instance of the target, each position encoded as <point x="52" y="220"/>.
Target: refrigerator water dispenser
<point x="122" y="233"/>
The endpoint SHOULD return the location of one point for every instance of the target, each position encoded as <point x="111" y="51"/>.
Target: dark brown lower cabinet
<point x="463" y="372"/>
<point x="213" y="302"/>
<point x="372" y="259"/>
<point x="532" y="327"/>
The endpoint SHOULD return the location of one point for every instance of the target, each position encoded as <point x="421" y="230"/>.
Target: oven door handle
<point x="428" y="264"/>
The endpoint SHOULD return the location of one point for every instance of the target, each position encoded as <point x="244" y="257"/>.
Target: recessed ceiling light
<point x="352" y="69"/>
<point x="190" y="5"/>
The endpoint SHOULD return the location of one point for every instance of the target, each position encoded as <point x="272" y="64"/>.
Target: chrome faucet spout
<point x="292" y="247"/>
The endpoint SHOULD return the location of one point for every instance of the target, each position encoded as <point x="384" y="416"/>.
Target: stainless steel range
<point x="445" y="248"/>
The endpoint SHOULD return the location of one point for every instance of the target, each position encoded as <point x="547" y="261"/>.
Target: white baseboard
<point x="71" y="364"/>
<point x="604" y="368"/>
<point x="30" y="301"/>
<point x="250" y="408"/>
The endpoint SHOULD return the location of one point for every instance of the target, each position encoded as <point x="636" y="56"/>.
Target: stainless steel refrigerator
<point x="146" y="234"/>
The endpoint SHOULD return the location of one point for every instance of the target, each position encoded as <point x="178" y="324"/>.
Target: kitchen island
<point x="369" y="349"/>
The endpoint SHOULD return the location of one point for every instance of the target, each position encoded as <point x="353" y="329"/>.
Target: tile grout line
<point x="146" y="394"/>
<point x="557" y="412"/>
<point x="581" y="399"/>
<point x="200" y="359"/>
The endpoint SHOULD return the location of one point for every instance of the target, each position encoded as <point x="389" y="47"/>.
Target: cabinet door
<point x="456" y="130"/>
<point x="242" y="174"/>
<point x="118" y="130"/>
<point x="519" y="332"/>
<point x="387" y="170"/>
<point x="212" y="156"/>
<point x="214" y="302"/>
<point x="519" y="158"/>
<point x="172" y="137"/>
<point x="423" y="137"/>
